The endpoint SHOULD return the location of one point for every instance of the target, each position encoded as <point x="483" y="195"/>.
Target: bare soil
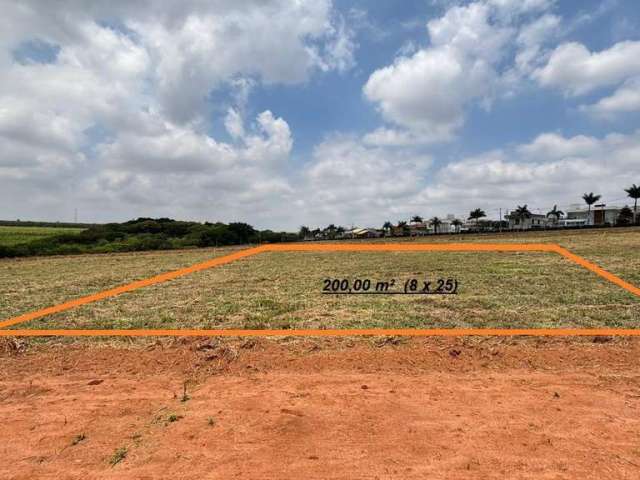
<point x="380" y="408"/>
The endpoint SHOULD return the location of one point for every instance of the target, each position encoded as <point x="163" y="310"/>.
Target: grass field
<point x="10" y="236"/>
<point x="326" y="407"/>
<point x="283" y="290"/>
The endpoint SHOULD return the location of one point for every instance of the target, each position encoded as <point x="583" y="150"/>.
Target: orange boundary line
<point x="406" y="332"/>
<point x="320" y="247"/>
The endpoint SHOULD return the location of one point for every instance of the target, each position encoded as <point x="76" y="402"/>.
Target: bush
<point x="625" y="217"/>
<point x="145" y="234"/>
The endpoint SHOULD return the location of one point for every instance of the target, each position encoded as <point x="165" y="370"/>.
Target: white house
<point x="417" y="229"/>
<point x="362" y="233"/>
<point x="578" y="215"/>
<point x="535" y="220"/>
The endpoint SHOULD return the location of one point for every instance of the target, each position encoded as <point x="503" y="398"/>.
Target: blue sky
<point x="282" y="114"/>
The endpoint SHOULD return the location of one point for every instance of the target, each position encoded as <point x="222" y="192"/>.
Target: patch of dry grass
<point x="37" y="282"/>
<point x="283" y="290"/>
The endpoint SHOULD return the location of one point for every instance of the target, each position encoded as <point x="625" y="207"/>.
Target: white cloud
<point x="426" y="93"/>
<point x="575" y="70"/>
<point x="278" y="42"/>
<point x="234" y="124"/>
<point x="475" y="51"/>
<point x="552" y="169"/>
<point x="171" y="170"/>
<point x="519" y="7"/>
<point x="392" y="137"/>
<point x="123" y="108"/>
<point x="119" y="120"/>
<point x="624" y="99"/>
<point x="531" y="39"/>
<point x="349" y="182"/>
<point x="552" y="146"/>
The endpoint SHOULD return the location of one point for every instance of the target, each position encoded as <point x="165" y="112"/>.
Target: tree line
<point x="146" y="234"/>
<point x="626" y="216"/>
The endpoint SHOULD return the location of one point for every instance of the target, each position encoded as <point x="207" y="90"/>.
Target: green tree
<point x="590" y="199"/>
<point x="625" y="217"/>
<point x="331" y="231"/>
<point x="634" y="192"/>
<point x="522" y="213"/>
<point x="387" y="227"/>
<point x="457" y="223"/>
<point x="555" y="213"/>
<point x="243" y="231"/>
<point x="476" y="215"/>
<point x="416" y="219"/>
<point x="435" y="222"/>
<point x="405" y="228"/>
<point x="304" y="232"/>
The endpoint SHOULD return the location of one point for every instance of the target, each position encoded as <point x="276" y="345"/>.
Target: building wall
<point x="610" y="215"/>
<point x="536" y="221"/>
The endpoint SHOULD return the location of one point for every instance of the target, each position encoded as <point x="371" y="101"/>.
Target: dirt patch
<point x="334" y="408"/>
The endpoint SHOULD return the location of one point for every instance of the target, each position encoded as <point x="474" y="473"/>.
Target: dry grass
<point x="31" y="283"/>
<point x="283" y="290"/>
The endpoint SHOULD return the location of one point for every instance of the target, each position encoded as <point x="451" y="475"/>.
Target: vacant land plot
<point x="382" y="407"/>
<point x="283" y="290"/>
<point x="31" y="283"/>
<point x="10" y="236"/>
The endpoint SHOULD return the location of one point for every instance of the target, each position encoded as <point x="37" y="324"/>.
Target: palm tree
<point x="416" y="219"/>
<point x="590" y="199"/>
<point x="634" y="192"/>
<point x="555" y="213"/>
<point x="436" y="222"/>
<point x="457" y="223"/>
<point x="476" y="215"/>
<point x="522" y="213"/>
<point x="331" y="231"/>
<point x="403" y="225"/>
<point x="387" y="226"/>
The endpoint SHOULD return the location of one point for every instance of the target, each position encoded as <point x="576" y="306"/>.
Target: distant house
<point x="600" y="215"/>
<point x="417" y="229"/>
<point x="362" y="233"/>
<point x="447" y="225"/>
<point x="535" y="220"/>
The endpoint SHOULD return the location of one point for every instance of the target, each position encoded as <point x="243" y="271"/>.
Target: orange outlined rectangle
<point x="324" y="247"/>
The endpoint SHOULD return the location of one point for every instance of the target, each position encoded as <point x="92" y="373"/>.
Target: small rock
<point x="97" y="381"/>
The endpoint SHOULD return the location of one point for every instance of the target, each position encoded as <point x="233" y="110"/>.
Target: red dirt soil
<point x="316" y="409"/>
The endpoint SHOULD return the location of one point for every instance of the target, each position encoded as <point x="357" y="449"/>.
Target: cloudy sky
<point x="282" y="112"/>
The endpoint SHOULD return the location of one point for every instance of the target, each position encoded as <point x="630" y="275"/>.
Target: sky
<point x="284" y="113"/>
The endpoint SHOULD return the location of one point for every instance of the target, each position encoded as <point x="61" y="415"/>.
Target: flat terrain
<point x="15" y="235"/>
<point x="284" y="290"/>
<point x="433" y="408"/>
<point x="379" y="407"/>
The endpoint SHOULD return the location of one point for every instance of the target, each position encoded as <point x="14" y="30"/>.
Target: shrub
<point x="145" y="234"/>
